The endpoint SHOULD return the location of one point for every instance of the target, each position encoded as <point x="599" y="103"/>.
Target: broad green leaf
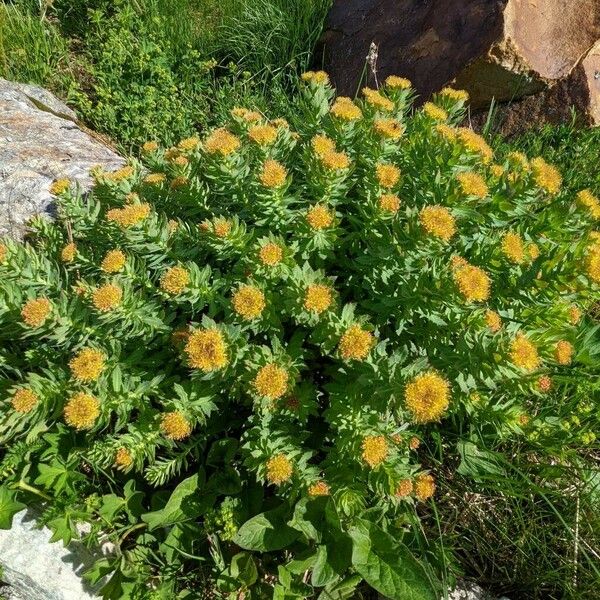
<point x="387" y="565"/>
<point x="344" y="590"/>
<point x="266" y="532"/>
<point x="323" y="572"/>
<point x="243" y="569"/>
<point x="9" y="507"/>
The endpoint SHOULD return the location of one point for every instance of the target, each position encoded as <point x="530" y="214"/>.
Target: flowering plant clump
<point x="275" y="320"/>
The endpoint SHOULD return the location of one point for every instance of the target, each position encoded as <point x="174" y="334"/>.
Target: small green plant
<point x="253" y="357"/>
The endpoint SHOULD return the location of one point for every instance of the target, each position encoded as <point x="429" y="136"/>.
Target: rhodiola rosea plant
<point x="225" y="360"/>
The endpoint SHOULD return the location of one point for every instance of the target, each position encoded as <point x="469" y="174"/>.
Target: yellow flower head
<point x="335" y="161"/>
<point x="427" y="397"/>
<point x="222" y="142"/>
<point x="387" y="175"/>
<point x="321" y="145"/>
<point x="180" y="161"/>
<point x="123" y="458"/>
<point x="222" y="228"/>
<point x="279" y="469"/>
<point x="320" y="488"/>
<point x="513" y="247"/>
<point x="376" y="100"/>
<point x="438" y="221"/>
<point x="248" y="302"/>
<point x="155" y="178"/>
<point x="120" y="174"/>
<point x="68" y="253"/>
<point x="263" y="135"/>
<point x="574" y="315"/>
<point x="592" y="263"/>
<point x="271" y="381"/>
<point x="424" y="487"/>
<point x="345" y="110"/>
<point x="189" y="144"/>
<point x="587" y="200"/>
<point x="414" y="443"/>
<point x="356" y="343"/>
<point x="563" y="352"/>
<point x="129" y="215"/>
<point x="81" y="411"/>
<point x="107" y="297"/>
<point x="175" y="426"/>
<point x="473" y="283"/>
<point x="472" y="184"/>
<point x="389" y="203"/>
<point x="24" y="400"/>
<point x="397" y="83"/>
<point x="388" y="128"/>
<point x="544" y="383"/>
<point x="533" y="251"/>
<point x="317" y="77"/>
<point x="59" y="186"/>
<point x="3" y="253"/>
<point x="546" y="176"/>
<point x="250" y="116"/>
<point x="206" y="350"/>
<point x="455" y="95"/>
<point x="524" y="354"/>
<point x="318" y="298"/>
<point x="497" y="170"/>
<point x="473" y="142"/>
<point x="87" y="364"/>
<point x="493" y="320"/>
<point x="319" y="217"/>
<point x="447" y="132"/>
<point x="273" y="174"/>
<point x="36" y="311"/>
<point x="174" y="280"/>
<point x="434" y="112"/>
<point x="113" y="261"/>
<point x="271" y="254"/>
<point x="374" y="450"/>
<point x="149" y="147"/>
<point x="404" y="488"/>
<point x="518" y="159"/>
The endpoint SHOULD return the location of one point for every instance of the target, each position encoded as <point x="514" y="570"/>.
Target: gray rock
<point x="34" y="569"/>
<point x="40" y="141"/>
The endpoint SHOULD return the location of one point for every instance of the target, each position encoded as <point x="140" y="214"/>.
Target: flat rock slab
<point x="34" y="569"/>
<point x="40" y="141"/>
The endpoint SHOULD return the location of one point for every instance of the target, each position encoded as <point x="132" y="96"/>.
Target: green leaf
<point x="387" y="565"/>
<point x="323" y="572"/>
<point x="342" y="590"/>
<point x="266" y="532"/>
<point x="243" y="569"/>
<point x="9" y="507"/>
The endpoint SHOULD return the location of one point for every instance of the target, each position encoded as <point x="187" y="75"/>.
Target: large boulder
<point x="495" y="49"/>
<point x="40" y="141"/>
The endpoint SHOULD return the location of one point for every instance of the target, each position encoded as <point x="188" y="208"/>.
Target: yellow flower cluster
<point x="424" y="487"/>
<point x="335" y="161"/>
<point x="388" y="128"/>
<point x="222" y="227"/>
<point x="250" y="116"/>
<point x="377" y="100"/>
<point x="473" y="142"/>
<point x="59" y="186"/>
<point x="107" y="297"/>
<point x="574" y="314"/>
<point x="149" y="147"/>
<point x="271" y="254"/>
<point x="450" y="134"/>
<point x="322" y="145"/>
<point x="317" y="77"/>
<point x="344" y="109"/>
<point x="397" y="83"/>
<point x="222" y="142"/>
<point x="513" y="247"/>
<point x="273" y="174"/>
<point x="563" y="352"/>
<point x="279" y="469"/>
<point x="493" y="320"/>
<point x="156" y="178"/>
<point x="438" y="221"/>
<point x="546" y="176"/>
<point x="318" y="298"/>
<point x="263" y="135"/>
<point x="473" y="283"/>
<point x="3" y="253"/>
<point x="356" y="343"/>
<point x="404" y="488"/>
<point x="87" y="364"/>
<point x="434" y="112"/>
<point x="120" y="174"/>
<point x="248" y="302"/>
<point x="206" y="350"/>
<point x="374" y="450"/>
<point x="68" y="253"/>
<point x="123" y="458"/>
<point x="427" y="397"/>
<point x="387" y="175"/>
<point x="129" y="215"/>
<point x="189" y="144"/>
<point x="524" y="354"/>
<point x="36" y="311"/>
<point x="472" y="184"/>
<point x="587" y="200"/>
<point x="271" y="381"/>
<point x="113" y="261"/>
<point x="175" y="426"/>
<point x="454" y="95"/>
<point x="389" y="203"/>
<point x="320" y="488"/>
<point x="81" y="411"/>
<point x="592" y="262"/>
<point x="174" y="280"/>
<point x="319" y="217"/>
<point x="24" y="400"/>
